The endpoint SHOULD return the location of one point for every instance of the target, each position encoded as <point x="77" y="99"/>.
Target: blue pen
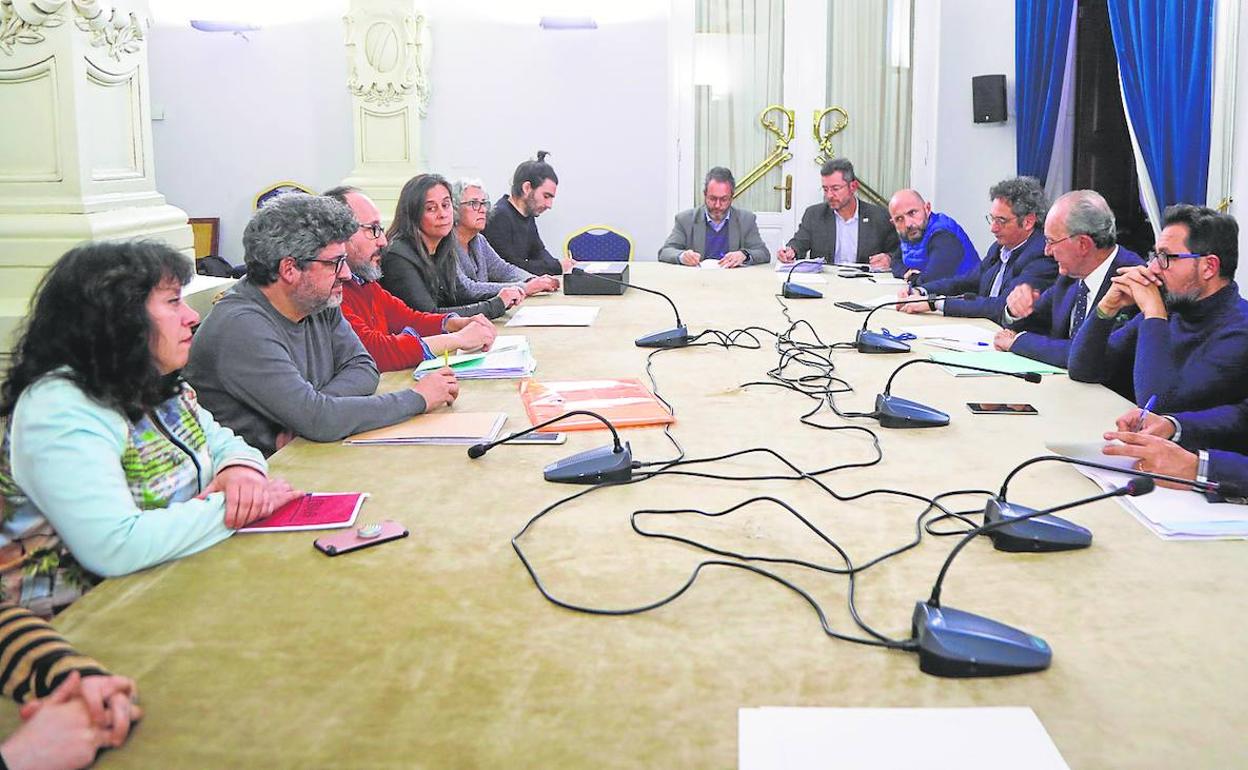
<point x="1148" y="407"/>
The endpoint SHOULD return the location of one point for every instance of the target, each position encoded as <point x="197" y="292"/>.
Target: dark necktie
<point x="1081" y="309"/>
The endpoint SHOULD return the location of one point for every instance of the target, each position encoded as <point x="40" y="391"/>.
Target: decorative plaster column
<point x="75" y="142"/>
<point x="387" y="59"/>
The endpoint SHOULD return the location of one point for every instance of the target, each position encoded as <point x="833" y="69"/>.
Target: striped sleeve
<point x="34" y="658"/>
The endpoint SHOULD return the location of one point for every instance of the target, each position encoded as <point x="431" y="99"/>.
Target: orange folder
<point x="625" y="403"/>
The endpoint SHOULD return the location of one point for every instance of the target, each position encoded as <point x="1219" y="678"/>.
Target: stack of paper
<point x="802" y="266"/>
<point x="554" y="315"/>
<point x="1002" y="361"/>
<point x="315" y="510"/>
<point x="930" y="738"/>
<point x="959" y="337"/>
<point x="806" y="279"/>
<point x="1171" y="514"/>
<point x="436" y="428"/>
<point x="508" y="359"/>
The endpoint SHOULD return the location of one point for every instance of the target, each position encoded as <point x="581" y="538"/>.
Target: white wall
<point x="953" y="159"/>
<point x="242" y="114"/>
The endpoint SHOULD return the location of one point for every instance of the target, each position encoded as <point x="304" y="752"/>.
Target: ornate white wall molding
<point x="388" y="55"/>
<point x="116" y="30"/>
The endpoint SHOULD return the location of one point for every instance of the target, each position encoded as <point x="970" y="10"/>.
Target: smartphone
<point x="854" y="306"/>
<point x="984" y="407"/>
<point x="541" y="438"/>
<point x="349" y="539"/>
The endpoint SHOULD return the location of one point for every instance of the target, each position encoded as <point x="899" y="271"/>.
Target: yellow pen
<point x="446" y="358"/>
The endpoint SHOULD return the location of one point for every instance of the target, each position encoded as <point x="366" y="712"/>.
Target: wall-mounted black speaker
<point x="988" y="98"/>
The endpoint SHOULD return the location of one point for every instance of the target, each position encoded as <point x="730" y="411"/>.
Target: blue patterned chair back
<point x="599" y="243"/>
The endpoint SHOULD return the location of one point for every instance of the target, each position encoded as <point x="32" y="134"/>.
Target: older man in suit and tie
<point x="717" y="230"/>
<point x="843" y="230"/>
<point x="1080" y="234"/>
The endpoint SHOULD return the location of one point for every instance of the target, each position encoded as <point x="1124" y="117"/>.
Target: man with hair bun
<point x="512" y="226"/>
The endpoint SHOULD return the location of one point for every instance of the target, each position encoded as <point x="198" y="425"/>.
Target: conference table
<point x="437" y="650"/>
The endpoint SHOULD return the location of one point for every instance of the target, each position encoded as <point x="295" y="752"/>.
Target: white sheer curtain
<point x="869" y="51"/>
<point x="1222" y="122"/>
<point x="738" y="72"/>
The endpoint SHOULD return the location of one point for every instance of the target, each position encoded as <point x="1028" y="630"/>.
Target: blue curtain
<point x="1041" y="34"/>
<point x="1165" y="58"/>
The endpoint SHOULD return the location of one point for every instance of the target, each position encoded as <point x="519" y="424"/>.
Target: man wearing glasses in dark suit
<point x="843" y="230"/>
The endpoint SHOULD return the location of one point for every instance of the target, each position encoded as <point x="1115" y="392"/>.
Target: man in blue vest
<point x="1080" y="234"/>
<point x="933" y="245"/>
<point x="1016" y="218"/>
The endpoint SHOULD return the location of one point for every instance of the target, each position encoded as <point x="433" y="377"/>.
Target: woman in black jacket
<point x="420" y="266"/>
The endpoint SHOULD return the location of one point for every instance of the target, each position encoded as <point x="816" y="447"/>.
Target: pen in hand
<point x="1148" y="407"/>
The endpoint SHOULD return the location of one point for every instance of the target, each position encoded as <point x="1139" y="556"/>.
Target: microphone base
<point x="1038" y="534"/>
<point x="672" y="338"/>
<point x="953" y="643"/>
<point x="894" y="412"/>
<point x="875" y="342"/>
<point x="792" y="290"/>
<point x="592" y="467"/>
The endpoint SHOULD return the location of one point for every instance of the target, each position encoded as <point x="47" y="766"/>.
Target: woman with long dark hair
<point x="420" y="266"/>
<point x="107" y="456"/>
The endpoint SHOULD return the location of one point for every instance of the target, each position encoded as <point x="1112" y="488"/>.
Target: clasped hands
<point x="68" y="727"/>
<point x="1134" y="286"/>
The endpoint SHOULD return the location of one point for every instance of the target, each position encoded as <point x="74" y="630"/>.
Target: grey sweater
<point x="484" y="272"/>
<point x="260" y="374"/>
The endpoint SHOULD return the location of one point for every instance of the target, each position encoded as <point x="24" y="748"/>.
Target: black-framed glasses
<point x="375" y="229"/>
<point x="337" y="262"/>
<point x="478" y="204"/>
<point x="1163" y="258"/>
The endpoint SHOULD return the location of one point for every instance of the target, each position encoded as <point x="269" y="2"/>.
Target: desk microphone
<point x="894" y="412"/>
<point x="1051" y="533"/>
<point x="672" y="338"/>
<point x="606" y="463"/>
<point x="955" y="643"/>
<point x="792" y="290"/>
<point x="877" y="342"/>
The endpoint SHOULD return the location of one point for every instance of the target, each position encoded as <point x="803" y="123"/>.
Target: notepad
<point x="624" y="403"/>
<point x="1003" y="361"/>
<point x="928" y="738"/>
<point x="554" y="315"/>
<point x="316" y="510"/>
<point x="436" y="428"/>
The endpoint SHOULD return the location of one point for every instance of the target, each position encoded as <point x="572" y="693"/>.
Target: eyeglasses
<point x="719" y="199"/>
<point x="1164" y="259"/>
<point x="375" y="229"/>
<point x="835" y="188"/>
<point x="337" y="262"/>
<point x="999" y="221"/>
<point x="478" y="205"/>
<point x="1054" y="241"/>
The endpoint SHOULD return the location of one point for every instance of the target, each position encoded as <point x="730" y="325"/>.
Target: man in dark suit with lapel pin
<point x="1016" y="217"/>
<point x="843" y="230"/>
<point x="717" y="230"/>
<point x="1079" y="233"/>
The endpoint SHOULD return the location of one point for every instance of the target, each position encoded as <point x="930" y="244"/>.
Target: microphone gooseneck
<point x="865" y="321"/>
<point x="477" y="450"/>
<point x="1203" y="486"/>
<point x="580" y="271"/>
<point x="1028" y="376"/>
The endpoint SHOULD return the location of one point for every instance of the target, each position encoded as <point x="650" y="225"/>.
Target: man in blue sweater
<point x="1189" y="344"/>
<point x="1080" y="234"/>
<point x="1207" y="445"/>
<point x="1017" y="257"/>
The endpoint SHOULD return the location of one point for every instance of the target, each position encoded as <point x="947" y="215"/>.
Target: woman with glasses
<point x="108" y="454"/>
<point x="420" y="266"/>
<point x="484" y="270"/>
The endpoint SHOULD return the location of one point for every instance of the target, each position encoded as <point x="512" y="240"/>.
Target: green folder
<point x="1001" y="360"/>
<point x="459" y="361"/>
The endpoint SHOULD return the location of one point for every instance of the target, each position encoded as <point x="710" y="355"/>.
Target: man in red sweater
<point x="395" y="335"/>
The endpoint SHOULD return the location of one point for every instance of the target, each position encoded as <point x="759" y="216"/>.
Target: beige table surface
<point x="437" y="651"/>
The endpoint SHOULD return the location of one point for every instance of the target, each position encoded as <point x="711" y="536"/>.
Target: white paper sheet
<point x="894" y="739"/>
<point x="554" y="315"/>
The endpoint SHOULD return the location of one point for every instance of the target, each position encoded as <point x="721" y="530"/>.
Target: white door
<point x="732" y="62"/>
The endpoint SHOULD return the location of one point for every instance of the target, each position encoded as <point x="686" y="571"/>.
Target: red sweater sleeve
<point x="367" y="312"/>
<point x="399" y="315"/>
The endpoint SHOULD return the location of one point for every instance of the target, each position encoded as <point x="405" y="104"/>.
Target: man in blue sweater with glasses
<point x="1189" y="344"/>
